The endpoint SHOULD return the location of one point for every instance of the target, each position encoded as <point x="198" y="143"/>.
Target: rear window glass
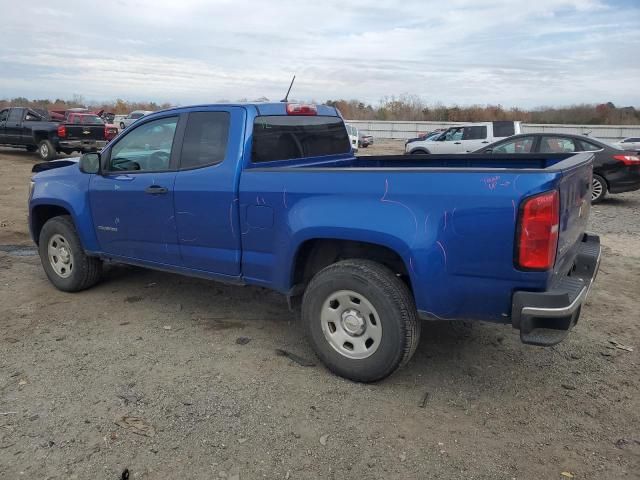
<point x="503" y="129"/>
<point x="291" y="137"/>
<point x="588" y="146"/>
<point x="91" y="119"/>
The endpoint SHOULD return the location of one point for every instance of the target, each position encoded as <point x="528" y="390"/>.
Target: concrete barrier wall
<point x="403" y="130"/>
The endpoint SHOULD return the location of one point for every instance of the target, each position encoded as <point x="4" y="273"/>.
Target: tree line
<point x="404" y="107"/>
<point x="119" y="106"/>
<point x="412" y="108"/>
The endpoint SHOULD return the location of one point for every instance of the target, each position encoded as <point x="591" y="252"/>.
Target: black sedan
<point x="614" y="170"/>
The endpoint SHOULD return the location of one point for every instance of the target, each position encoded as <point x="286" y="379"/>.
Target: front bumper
<point x="84" y="145"/>
<point x="545" y="318"/>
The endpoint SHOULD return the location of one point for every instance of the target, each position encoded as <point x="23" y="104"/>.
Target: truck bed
<point x="452" y="217"/>
<point x="533" y="161"/>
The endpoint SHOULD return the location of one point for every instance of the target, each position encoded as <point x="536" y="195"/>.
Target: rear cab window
<point x="290" y="137"/>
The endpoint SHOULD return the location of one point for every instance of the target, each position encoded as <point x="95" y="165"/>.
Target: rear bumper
<point x="84" y="145"/>
<point x="545" y="318"/>
<point x="625" y="179"/>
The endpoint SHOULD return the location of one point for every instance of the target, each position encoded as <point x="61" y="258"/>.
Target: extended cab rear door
<point x="206" y="190"/>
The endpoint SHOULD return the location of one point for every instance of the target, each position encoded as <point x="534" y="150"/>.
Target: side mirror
<point x="90" y="163"/>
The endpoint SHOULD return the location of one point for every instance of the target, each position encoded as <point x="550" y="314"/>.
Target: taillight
<point x="628" y="159"/>
<point x="300" y="109"/>
<point x="538" y="231"/>
<point x="62" y="131"/>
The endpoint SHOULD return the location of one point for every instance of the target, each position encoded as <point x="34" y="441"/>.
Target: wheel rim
<point x="60" y="256"/>
<point x="351" y="324"/>
<point x="596" y="189"/>
<point x="44" y="150"/>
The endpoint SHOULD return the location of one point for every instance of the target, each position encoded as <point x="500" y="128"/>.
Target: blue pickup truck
<point x="366" y="247"/>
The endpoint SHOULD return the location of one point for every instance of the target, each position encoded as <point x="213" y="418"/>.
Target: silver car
<point x="133" y="117"/>
<point x="631" y="143"/>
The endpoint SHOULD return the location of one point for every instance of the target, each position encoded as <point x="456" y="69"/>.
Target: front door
<point x="132" y="199"/>
<point x="3" y="122"/>
<point x="451" y="141"/>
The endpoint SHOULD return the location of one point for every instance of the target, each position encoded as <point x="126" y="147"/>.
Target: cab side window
<point x="475" y="133"/>
<point x="146" y="148"/>
<point x="205" y="139"/>
<point x="15" y="115"/>
<point x="453" y="134"/>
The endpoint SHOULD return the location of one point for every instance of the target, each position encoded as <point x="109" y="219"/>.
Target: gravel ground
<point x="147" y="372"/>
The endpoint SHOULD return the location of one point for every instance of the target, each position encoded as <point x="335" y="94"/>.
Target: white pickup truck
<point x="465" y="138"/>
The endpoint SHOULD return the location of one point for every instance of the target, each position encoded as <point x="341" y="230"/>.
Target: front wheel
<point x="64" y="260"/>
<point x="598" y="189"/>
<point x="360" y="319"/>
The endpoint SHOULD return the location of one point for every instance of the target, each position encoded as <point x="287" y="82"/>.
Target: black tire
<point x="598" y="189"/>
<point x="419" y="151"/>
<point x="46" y="150"/>
<point x="84" y="271"/>
<point x="393" y="304"/>
<point x="31" y="148"/>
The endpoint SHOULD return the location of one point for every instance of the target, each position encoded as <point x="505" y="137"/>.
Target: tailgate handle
<point x="155" y="190"/>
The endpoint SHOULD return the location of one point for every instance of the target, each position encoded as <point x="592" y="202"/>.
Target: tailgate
<point x="575" y="205"/>
<point x="85" y="132"/>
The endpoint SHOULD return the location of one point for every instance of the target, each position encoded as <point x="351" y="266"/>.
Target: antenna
<point x="286" y="97"/>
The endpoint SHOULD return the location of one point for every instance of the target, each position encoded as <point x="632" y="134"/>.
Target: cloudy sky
<point x="513" y="52"/>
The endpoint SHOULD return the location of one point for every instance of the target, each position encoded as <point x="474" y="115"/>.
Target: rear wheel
<point x="360" y="320"/>
<point x="419" y="152"/>
<point x="46" y="150"/>
<point x="598" y="189"/>
<point x="64" y="260"/>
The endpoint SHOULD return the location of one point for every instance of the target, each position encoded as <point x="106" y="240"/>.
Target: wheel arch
<point x="314" y="254"/>
<point x="45" y="209"/>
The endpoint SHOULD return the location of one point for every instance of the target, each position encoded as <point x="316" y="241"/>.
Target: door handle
<point x="156" y="190"/>
<point x="457" y="143"/>
<point x="486" y="141"/>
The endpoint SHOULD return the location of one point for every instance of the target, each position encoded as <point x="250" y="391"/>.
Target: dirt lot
<point x="144" y="372"/>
